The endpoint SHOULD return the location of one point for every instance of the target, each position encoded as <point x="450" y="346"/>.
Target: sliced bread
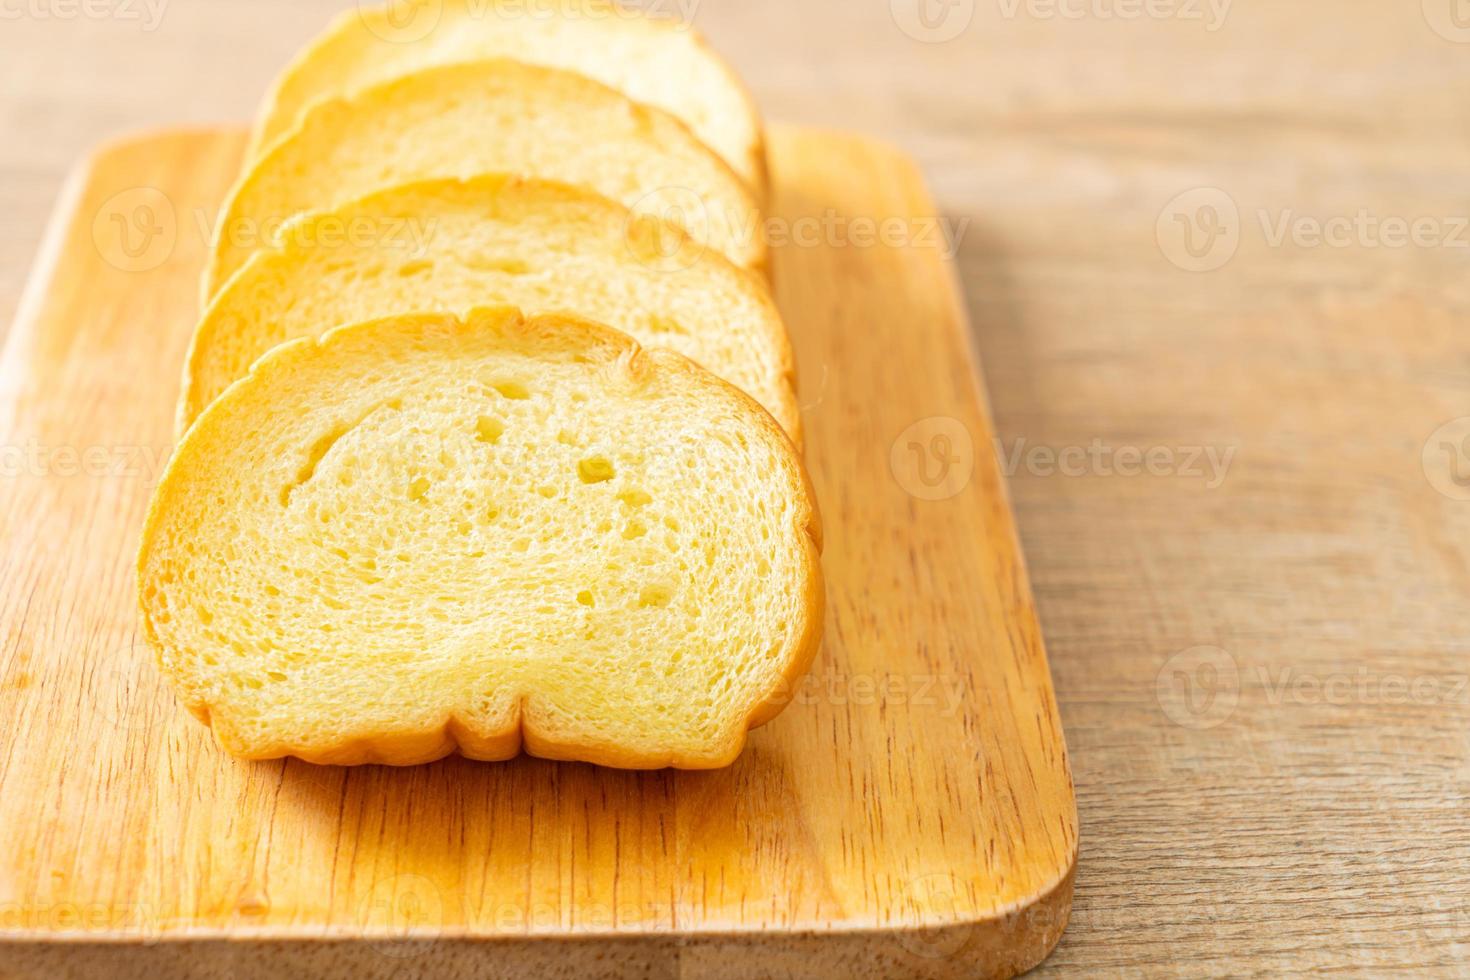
<point x="427" y="534"/>
<point x="662" y="63"/>
<point x="488" y="117"/>
<point x="446" y="246"/>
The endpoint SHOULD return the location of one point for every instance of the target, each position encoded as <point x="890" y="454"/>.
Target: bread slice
<point x="446" y="246"/>
<point x="661" y="63"/>
<point x="424" y="534"/>
<point x="489" y="117"/>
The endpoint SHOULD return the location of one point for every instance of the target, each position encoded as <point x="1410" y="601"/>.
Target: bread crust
<point x="314" y="135"/>
<point x="229" y="312"/>
<point x="520" y="730"/>
<point x="351" y="35"/>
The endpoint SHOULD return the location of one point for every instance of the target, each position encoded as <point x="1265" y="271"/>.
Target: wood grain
<point x="913" y="808"/>
<point x="1296" y="835"/>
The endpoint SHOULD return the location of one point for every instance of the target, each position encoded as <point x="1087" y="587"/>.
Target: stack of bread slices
<point x="488" y="439"/>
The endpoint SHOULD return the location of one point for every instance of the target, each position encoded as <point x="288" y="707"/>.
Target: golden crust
<point x="454" y="734"/>
<point x="222" y="315"/>
<point x="351" y="34"/>
<point x="314" y="135"/>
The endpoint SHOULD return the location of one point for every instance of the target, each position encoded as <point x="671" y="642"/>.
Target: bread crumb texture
<point x="656" y="61"/>
<point x="449" y="245"/>
<point x="428" y="533"/>
<point x="496" y="116"/>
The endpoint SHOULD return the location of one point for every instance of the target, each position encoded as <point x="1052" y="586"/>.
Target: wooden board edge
<point x="1000" y="946"/>
<point x="901" y="160"/>
<point x="996" y="949"/>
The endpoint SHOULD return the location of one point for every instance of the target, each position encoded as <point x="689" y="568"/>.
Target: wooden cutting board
<point x="911" y="814"/>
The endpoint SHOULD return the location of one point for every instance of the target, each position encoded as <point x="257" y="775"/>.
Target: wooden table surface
<point x="1216" y="256"/>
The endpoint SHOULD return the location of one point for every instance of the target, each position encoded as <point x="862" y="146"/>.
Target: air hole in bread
<point x="513" y="390"/>
<point x="655" y="596"/>
<point x="596" y="469"/>
<point x="634" y="530"/>
<point x="418" y="490"/>
<point x="513" y="267"/>
<point x="415" y="267"/>
<point x="324" y="445"/>
<point x="664" y="325"/>
<point x="635" y="498"/>
<point x="585" y="598"/>
<point x="314" y="456"/>
<point x="489" y="430"/>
